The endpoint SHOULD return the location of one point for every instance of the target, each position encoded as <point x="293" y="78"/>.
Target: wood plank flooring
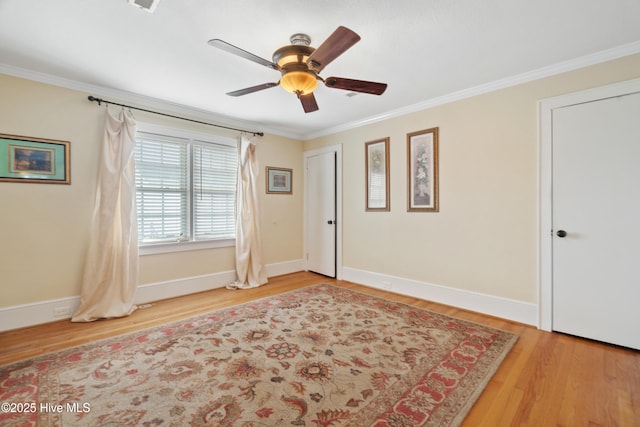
<point x="548" y="379"/>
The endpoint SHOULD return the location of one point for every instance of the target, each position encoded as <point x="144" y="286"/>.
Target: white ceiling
<point x="424" y="49"/>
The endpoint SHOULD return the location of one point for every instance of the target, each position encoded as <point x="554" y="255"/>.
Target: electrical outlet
<point x="61" y="311"/>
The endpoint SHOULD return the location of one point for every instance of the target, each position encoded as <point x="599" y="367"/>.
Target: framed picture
<point x="422" y="171"/>
<point x="279" y="180"/>
<point x="26" y="159"/>
<point x="377" y="175"/>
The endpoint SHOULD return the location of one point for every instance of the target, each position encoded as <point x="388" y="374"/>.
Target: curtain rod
<point x="100" y="101"/>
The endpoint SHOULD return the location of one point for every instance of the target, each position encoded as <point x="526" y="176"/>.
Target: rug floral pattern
<point x="320" y="356"/>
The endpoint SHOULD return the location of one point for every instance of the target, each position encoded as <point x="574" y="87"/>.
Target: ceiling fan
<point x="300" y="65"/>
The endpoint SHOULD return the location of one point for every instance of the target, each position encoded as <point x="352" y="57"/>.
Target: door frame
<point x="545" y="222"/>
<point x="337" y="149"/>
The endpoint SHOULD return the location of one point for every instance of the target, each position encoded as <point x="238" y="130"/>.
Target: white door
<point x="320" y="197"/>
<point x="596" y="220"/>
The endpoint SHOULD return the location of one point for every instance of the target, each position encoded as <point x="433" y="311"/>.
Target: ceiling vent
<point x="148" y="5"/>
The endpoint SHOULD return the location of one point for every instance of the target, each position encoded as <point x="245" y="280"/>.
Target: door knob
<point x="561" y="233"/>
<point x="330" y="222"/>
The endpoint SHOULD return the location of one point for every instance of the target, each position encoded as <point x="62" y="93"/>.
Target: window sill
<point x="164" y="248"/>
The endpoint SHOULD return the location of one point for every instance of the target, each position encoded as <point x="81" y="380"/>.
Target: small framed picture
<point x="422" y="171"/>
<point x="377" y="175"/>
<point x="279" y="180"/>
<point x="34" y="160"/>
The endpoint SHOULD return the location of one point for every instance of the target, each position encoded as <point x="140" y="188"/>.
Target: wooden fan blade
<point x="373" y="88"/>
<point x="221" y="44"/>
<point x="309" y="103"/>
<point x="252" y="89"/>
<point x="337" y="43"/>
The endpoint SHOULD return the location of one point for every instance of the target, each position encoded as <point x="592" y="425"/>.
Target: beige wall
<point x="44" y="228"/>
<point x="485" y="237"/>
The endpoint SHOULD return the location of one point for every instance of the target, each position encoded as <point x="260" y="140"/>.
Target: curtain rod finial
<point x="94" y="99"/>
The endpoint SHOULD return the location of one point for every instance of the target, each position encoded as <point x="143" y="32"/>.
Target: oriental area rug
<point x="319" y="356"/>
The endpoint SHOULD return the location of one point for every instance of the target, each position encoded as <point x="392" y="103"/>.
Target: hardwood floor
<point x="548" y="379"/>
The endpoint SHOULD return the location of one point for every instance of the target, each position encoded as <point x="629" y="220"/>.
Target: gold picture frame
<point x="279" y="180"/>
<point x="377" y="191"/>
<point x="422" y="171"/>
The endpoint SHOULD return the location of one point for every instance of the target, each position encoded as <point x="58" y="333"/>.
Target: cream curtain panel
<point x="250" y="270"/>
<point x="111" y="268"/>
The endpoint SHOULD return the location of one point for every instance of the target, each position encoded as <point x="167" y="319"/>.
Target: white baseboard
<point x="20" y="316"/>
<point x="183" y="286"/>
<point x="282" y="268"/>
<point x="504" y="308"/>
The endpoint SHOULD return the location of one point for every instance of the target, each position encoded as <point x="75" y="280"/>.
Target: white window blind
<point x="214" y="191"/>
<point x="185" y="189"/>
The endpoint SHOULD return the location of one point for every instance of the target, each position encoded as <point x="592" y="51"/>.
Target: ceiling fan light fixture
<point x="299" y="82"/>
<point x="300" y="64"/>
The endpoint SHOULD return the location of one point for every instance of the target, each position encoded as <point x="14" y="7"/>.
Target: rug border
<point x="482" y="385"/>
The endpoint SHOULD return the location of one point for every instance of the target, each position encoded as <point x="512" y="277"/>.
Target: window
<point x="185" y="189"/>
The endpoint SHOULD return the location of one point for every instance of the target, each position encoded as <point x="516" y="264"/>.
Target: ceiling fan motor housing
<point x="297" y="77"/>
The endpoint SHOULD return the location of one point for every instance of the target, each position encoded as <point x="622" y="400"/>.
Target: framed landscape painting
<point x="422" y="171"/>
<point x="34" y="160"/>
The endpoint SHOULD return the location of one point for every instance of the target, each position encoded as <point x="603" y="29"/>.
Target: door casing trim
<point x="545" y="184"/>
<point x="337" y="149"/>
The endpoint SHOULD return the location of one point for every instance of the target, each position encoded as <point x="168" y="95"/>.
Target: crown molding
<point x="139" y="100"/>
<point x="559" y="68"/>
<point x="199" y="114"/>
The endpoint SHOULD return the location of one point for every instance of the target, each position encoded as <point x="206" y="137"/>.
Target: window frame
<point x="187" y="245"/>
